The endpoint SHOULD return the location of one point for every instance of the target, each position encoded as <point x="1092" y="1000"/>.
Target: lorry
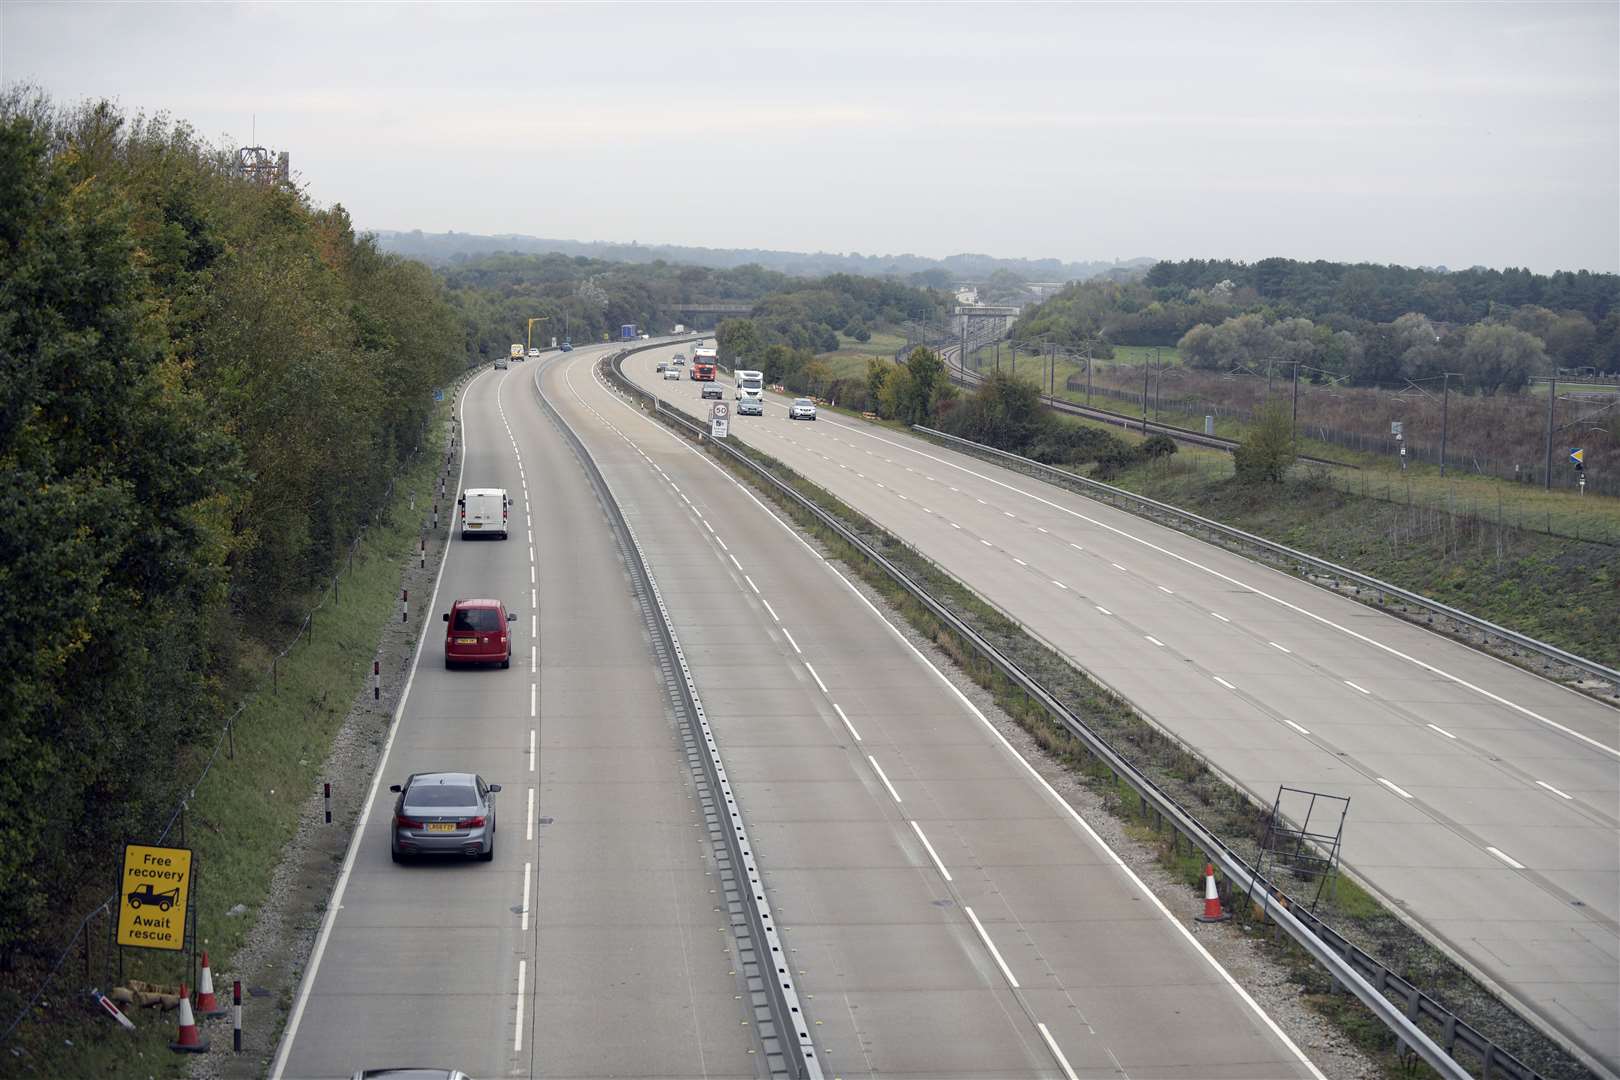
<point x="517" y="350"/>
<point x="704" y="364"/>
<point x="627" y="332"/>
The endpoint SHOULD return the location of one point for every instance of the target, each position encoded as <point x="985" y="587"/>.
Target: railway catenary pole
<point x="1552" y="396"/>
<point x="1445" y="399"/>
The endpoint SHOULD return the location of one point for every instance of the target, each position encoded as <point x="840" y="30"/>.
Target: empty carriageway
<point x="946" y="912"/>
<point x="1484" y="799"/>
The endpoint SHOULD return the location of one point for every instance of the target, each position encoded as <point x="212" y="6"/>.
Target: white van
<point x="483" y="512"/>
<point x="750" y="384"/>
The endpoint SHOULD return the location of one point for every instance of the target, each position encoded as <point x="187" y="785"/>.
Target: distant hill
<point x="438" y="249"/>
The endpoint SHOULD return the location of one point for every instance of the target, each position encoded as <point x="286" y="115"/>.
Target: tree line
<point x="208" y="384"/>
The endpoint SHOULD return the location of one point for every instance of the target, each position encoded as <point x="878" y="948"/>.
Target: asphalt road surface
<point x="1484" y="801"/>
<point x="947" y="913"/>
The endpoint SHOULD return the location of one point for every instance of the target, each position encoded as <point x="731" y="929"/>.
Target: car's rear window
<point x="478" y="618"/>
<point x="441" y="795"/>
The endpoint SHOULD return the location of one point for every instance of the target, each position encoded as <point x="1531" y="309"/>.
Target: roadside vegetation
<point x="210" y="386"/>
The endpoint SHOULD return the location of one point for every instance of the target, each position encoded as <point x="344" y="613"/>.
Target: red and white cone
<point x="1212" y="898"/>
<point x="190" y="1040"/>
<point x="208" y="1006"/>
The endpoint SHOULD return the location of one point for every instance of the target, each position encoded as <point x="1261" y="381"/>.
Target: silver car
<point x="802" y="409"/>
<point x="444" y="813"/>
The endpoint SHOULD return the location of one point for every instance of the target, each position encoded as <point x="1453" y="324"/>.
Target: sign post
<point x="719" y="420"/>
<point x="154" y="896"/>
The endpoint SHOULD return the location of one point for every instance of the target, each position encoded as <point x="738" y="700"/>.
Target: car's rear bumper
<point x="468" y="842"/>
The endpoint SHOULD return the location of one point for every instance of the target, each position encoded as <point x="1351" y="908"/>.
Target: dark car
<point x="477" y="633"/>
<point x="566" y="347"/>
<point x="713" y="390"/>
<point x="444" y="813"/>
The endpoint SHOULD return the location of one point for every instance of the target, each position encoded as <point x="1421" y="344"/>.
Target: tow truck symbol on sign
<point x="144" y="896"/>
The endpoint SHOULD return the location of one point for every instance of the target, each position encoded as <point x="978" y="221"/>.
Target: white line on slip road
<point x="523" y="971"/>
<point x="531" y="747"/>
<point x="722" y="543"/>
<point x="816" y="677"/>
<point x="1116" y="566"/>
<point x="531" y="539"/>
<point x="1443" y="731"/>
<point x="1008" y="513"/>
<point x="1155" y="640"/>
<point x="1224" y="683"/>
<point x="932" y="854"/>
<point x="1002" y="964"/>
<point x="1040" y="529"/>
<point x="986" y="543"/>
<point x="534" y="659"/>
<point x="532" y="690"/>
<point x="685" y="500"/>
<point x="531" y="573"/>
<point x="528" y="872"/>
<point x="1019" y="561"/>
<point x="531" y="554"/>
<point x="751" y="584"/>
<point x="1165" y="590"/>
<point x="534" y="626"/>
<point x="1076" y="546"/>
<point x="1505" y="857"/>
<point x="954" y="525"/>
<point x="534" y="598"/>
<point x="1396" y="788"/>
<point x="1219" y="616"/>
<point x="528" y="824"/>
<point x="883" y="777"/>
<point x="1102" y="609"/>
<point x="1555" y="791"/>
<point x="706" y="525"/>
<point x="791" y="642"/>
<point x="845" y="719"/>
<point x="1279" y="648"/>
<point x="1295" y="726"/>
<point x="1353" y="686"/>
<point x="1051" y="1044"/>
<point x="770" y="609"/>
<point x="734" y="561"/>
<point x="1059" y="584"/>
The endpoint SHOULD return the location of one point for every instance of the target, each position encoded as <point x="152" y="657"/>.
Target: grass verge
<point x="1228" y="812"/>
<point x="245" y="810"/>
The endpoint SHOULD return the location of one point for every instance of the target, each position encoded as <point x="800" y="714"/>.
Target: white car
<point x="802" y="409"/>
<point x="534" y="354"/>
<point x="672" y="373"/>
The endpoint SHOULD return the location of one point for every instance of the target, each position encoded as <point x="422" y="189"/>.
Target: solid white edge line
<point x="1012" y="980"/>
<point x="1505" y="857"/>
<point x="847" y="724"/>
<point x="932" y="854"/>
<point x="1051" y="1044"/>
<point x="1186" y="934"/>
<point x="522" y="983"/>
<point x="791" y="642"/>
<point x="284" y="1048"/>
<point x="884" y="777"/>
<point x="1555" y="791"/>
<point x="1396" y="788"/>
<point x="528" y="872"/>
<point x="816" y="677"/>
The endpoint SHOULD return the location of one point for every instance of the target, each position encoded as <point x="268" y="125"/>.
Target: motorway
<point x="1484" y="800"/>
<point x="948" y="914"/>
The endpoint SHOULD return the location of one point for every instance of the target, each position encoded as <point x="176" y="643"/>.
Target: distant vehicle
<point x="680" y="358"/>
<point x="663" y="365"/>
<point x="145" y="897"/>
<point x="500" y="363"/>
<point x="802" y="409"/>
<point x="672" y="373"/>
<point x="444" y="813"/>
<point x="517" y="351"/>
<point x="680" y="328"/>
<point x="534" y="354"/>
<point x="477" y="633"/>
<point x="704" y="364"/>
<point x="645" y="337"/>
<point x="750" y="384"/>
<point x="484" y="511"/>
<point x="712" y="391"/>
<point x="750" y="406"/>
<point x="566" y="346"/>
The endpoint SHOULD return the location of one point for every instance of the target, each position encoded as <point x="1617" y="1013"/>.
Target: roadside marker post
<point x="327" y="797"/>
<point x="376" y="680"/>
<point x="404" y="605"/>
<point x="236" y="1016"/>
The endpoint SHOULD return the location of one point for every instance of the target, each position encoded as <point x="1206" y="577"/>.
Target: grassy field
<point x="246" y="809"/>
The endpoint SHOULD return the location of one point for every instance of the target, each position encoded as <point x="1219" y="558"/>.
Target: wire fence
<point x="225" y="742"/>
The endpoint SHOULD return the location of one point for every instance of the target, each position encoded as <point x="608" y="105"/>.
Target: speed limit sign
<point x="719" y="419"/>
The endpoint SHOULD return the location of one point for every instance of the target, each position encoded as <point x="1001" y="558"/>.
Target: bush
<point x="1156" y="446"/>
<point x="1267" y="451"/>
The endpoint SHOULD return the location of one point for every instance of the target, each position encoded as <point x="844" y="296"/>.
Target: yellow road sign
<point x="153" y="897"/>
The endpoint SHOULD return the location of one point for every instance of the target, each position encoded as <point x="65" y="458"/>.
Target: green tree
<point x="1499" y="357"/>
<point x="1267" y="451"/>
<point x="925" y="373"/>
<point x="877" y="373"/>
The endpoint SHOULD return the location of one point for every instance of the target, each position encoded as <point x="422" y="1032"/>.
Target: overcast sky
<point x="1406" y="133"/>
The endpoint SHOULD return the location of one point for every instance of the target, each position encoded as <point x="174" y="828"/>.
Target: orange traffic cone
<point x="1212" y="898"/>
<point x="208" y="1006"/>
<point x="190" y="1040"/>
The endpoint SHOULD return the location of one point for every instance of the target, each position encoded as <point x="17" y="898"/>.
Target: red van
<point x="477" y="633"/>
